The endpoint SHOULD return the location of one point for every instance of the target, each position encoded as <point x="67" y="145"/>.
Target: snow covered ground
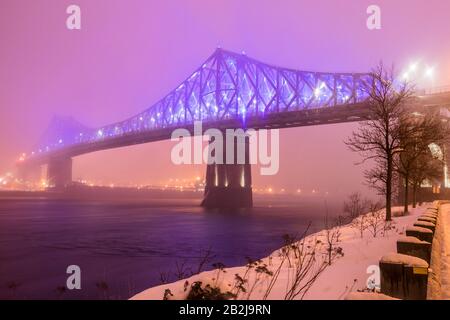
<point x="355" y="262"/>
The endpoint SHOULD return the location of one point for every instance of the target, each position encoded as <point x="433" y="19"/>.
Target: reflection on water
<point x="125" y="247"/>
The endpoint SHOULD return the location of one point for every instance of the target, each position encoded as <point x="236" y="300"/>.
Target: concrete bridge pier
<point x="230" y="185"/>
<point x="59" y="172"/>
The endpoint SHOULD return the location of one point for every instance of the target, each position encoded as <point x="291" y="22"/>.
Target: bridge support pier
<point x="229" y="185"/>
<point x="59" y="172"/>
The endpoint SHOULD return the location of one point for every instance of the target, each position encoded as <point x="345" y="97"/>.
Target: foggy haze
<point x="129" y="54"/>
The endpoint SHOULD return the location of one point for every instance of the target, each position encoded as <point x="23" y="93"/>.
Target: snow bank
<point x="368" y="296"/>
<point x="427" y="218"/>
<point x="424" y="224"/>
<point x="399" y="258"/>
<point x="411" y="240"/>
<point x="430" y="214"/>
<point x="348" y="273"/>
<point x="439" y="284"/>
<point x="419" y="229"/>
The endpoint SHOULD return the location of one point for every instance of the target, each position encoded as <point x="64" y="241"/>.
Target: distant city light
<point x="44" y="183"/>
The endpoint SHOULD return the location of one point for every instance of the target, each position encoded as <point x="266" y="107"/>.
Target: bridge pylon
<point x="59" y="172"/>
<point x="229" y="185"/>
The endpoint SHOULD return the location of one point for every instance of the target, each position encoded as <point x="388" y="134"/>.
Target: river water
<point x="124" y="247"/>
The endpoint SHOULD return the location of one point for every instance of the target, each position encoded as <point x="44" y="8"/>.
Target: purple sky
<point x="131" y="53"/>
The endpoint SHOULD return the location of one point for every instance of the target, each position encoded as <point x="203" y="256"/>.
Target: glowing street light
<point x="413" y="67"/>
<point x="419" y="73"/>
<point x="429" y="72"/>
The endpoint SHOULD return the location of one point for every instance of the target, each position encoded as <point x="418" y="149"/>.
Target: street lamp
<point x="429" y="72"/>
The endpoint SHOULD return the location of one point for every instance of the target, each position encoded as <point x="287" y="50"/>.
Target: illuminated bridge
<point x="228" y="90"/>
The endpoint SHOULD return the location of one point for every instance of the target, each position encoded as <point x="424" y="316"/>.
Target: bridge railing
<point x="435" y="90"/>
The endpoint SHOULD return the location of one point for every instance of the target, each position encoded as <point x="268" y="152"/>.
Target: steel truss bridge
<point x="228" y="90"/>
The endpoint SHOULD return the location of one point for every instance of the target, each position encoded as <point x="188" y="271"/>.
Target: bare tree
<point x="305" y="260"/>
<point x="332" y="234"/>
<point x="379" y="136"/>
<point x="360" y="223"/>
<point x="426" y="167"/>
<point x="310" y="263"/>
<point x="375" y="219"/>
<point x="355" y="205"/>
<point x="419" y="132"/>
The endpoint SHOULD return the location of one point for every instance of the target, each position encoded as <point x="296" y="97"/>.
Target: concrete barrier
<point x="414" y="247"/>
<point x="404" y="276"/>
<point x="425" y="224"/>
<point x="420" y="233"/>
<point x="427" y="219"/>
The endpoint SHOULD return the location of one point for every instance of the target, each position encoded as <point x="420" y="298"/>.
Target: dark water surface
<point x="123" y="247"/>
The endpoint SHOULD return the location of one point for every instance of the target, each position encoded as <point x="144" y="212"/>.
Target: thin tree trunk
<point x="388" y="188"/>
<point x="414" y="194"/>
<point x="405" y="199"/>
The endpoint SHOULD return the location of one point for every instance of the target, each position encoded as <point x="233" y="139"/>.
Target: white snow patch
<point x="412" y="240"/>
<point x="399" y="258"/>
<point x="424" y="224"/>
<point x="419" y="229"/>
<point x="368" y="296"/>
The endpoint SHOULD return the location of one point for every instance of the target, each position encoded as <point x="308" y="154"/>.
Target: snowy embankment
<point x="302" y="269"/>
<point x="439" y="286"/>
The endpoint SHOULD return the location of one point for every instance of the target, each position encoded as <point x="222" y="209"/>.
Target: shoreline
<point x="347" y="273"/>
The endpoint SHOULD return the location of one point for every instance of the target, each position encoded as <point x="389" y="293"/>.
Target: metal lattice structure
<point x="229" y="86"/>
